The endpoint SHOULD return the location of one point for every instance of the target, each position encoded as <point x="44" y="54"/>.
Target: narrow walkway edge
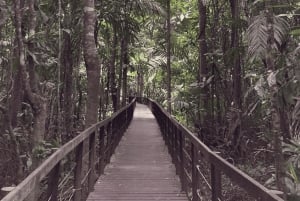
<point x="141" y="168"/>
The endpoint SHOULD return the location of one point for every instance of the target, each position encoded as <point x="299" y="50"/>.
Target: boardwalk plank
<point x="141" y="168"/>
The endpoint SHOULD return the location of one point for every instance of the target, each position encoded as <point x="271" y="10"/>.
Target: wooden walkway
<point x="141" y="168"/>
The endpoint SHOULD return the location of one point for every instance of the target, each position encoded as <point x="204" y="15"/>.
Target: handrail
<point x="101" y="139"/>
<point x="188" y="152"/>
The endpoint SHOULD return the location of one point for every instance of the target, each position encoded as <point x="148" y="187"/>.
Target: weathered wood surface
<point x="189" y="153"/>
<point x="108" y="131"/>
<point x="141" y="168"/>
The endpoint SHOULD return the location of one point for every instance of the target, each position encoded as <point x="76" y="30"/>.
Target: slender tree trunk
<point x="119" y="89"/>
<point x="15" y="102"/>
<point x="125" y="69"/>
<point x="93" y="72"/>
<point x="237" y="100"/>
<point x="92" y="63"/>
<point x="140" y="82"/>
<point x="113" y="88"/>
<point x="68" y="85"/>
<point x="37" y="102"/>
<point x="80" y="97"/>
<point x="169" y="76"/>
<point x="235" y="13"/>
<point x="275" y="105"/>
<point x="203" y="69"/>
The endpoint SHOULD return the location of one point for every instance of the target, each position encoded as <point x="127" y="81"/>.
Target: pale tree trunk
<point x="169" y="76"/>
<point x="92" y="63"/>
<point x="37" y="101"/>
<point x="119" y="88"/>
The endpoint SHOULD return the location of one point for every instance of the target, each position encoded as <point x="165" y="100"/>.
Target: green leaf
<point x="295" y="32"/>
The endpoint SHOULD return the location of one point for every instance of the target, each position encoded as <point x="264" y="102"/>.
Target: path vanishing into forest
<point x="140" y="153"/>
<point x="141" y="168"/>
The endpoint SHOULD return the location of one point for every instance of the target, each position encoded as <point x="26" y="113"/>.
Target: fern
<point x="257" y="35"/>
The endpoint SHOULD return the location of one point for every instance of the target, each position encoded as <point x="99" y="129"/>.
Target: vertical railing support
<point x="78" y="172"/>
<point x="101" y="150"/>
<point x="108" y="143"/>
<point x="183" y="164"/>
<point x="92" y="156"/>
<point x="53" y="179"/>
<point x="174" y="143"/>
<point x="216" y="183"/>
<point x="177" y="155"/>
<point x="195" y="176"/>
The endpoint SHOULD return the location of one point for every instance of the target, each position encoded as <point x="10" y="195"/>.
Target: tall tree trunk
<point x="68" y="85"/>
<point x="31" y="65"/>
<point x="235" y="13"/>
<point x="113" y="87"/>
<point x="275" y="105"/>
<point x="119" y="88"/>
<point x="169" y="76"/>
<point x="92" y="63"/>
<point x="203" y="68"/>
<point x="37" y="101"/>
<point x="15" y="102"/>
<point x="125" y="61"/>
<point x="237" y="100"/>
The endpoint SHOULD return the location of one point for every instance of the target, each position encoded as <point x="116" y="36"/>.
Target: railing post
<point x="78" y="172"/>
<point x="174" y="143"/>
<point x="108" y="143"/>
<point x="113" y="137"/>
<point x="167" y="132"/>
<point x="101" y="150"/>
<point x="177" y="151"/>
<point x="53" y="179"/>
<point x="182" y="158"/>
<point x="171" y="139"/>
<point x="215" y="183"/>
<point x="195" y="176"/>
<point x="92" y="153"/>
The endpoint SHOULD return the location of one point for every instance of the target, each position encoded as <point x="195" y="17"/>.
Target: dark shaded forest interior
<point x="228" y="70"/>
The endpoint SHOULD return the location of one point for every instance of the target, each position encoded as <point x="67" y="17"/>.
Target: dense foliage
<point x="228" y="69"/>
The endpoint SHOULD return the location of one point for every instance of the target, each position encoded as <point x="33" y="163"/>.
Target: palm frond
<point x="257" y="35"/>
<point x="143" y="7"/>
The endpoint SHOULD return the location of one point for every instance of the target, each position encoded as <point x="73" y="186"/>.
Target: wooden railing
<point x="85" y="157"/>
<point x="191" y="157"/>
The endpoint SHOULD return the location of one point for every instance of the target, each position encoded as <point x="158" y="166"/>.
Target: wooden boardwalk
<point x="141" y="168"/>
